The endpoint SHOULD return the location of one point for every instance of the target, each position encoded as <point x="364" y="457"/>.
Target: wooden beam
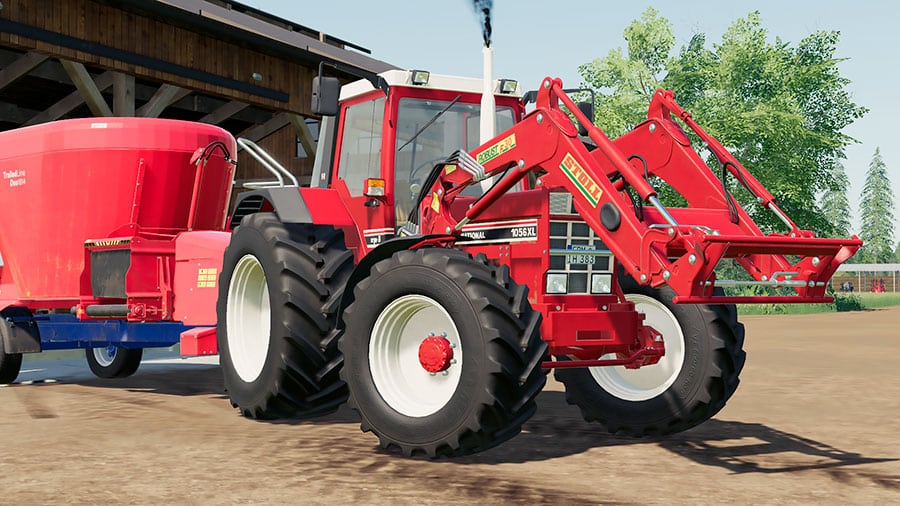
<point x="19" y="68"/>
<point x="304" y="135"/>
<point x="224" y="112"/>
<point x="12" y="113"/>
<point x="71" y="101"/>
<point x="123" y="94"/>
<point x="260" y="132"/>
<point x="195" y="102"/>
<point x="166" y="95"/>
<point x="86" y="86"/>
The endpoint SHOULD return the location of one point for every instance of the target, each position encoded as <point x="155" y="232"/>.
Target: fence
<point x="867" y="278"/>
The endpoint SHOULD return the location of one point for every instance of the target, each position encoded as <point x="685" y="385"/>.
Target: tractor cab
<point x="383" y="141"/>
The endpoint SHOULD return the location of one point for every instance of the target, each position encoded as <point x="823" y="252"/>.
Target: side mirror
<point x="588" y="109"/>
<point x="325" y="94"/>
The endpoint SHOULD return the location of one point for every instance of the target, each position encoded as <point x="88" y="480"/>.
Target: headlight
<point x="601" y="283"/>
<point x="557" y="283"/>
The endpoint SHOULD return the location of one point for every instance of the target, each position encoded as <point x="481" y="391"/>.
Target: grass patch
<point x="872" y="300"/>
<point x="785" y="308"/>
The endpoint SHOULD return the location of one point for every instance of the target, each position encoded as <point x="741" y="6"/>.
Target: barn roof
<point x="287" y="39"/>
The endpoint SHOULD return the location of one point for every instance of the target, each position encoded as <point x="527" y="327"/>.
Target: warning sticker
<point x="206" y="277"/>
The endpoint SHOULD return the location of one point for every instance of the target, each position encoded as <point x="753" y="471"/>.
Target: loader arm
<point x="680" y="247"/>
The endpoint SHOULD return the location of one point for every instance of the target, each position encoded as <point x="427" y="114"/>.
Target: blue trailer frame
<point x="66" y="332"/>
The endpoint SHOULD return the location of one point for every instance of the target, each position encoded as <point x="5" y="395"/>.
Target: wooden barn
<point x="213" y="61"/>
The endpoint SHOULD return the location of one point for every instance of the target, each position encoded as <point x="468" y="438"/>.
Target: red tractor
<point x="438" y="289"/>
<point x="429" y="276"/>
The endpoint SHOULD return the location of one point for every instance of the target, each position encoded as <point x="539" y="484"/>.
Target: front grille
<point x="561" y="203"/>
<point x="577" y="253"/>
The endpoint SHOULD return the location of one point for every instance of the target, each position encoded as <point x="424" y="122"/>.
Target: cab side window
<point x="360" y="156"/>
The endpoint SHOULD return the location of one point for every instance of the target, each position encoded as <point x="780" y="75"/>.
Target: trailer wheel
<point x="113" y="362"/>
<point x="441" y="353"/>
<point x="10" y="365"/>
<point x="279" y="293"/>
<point x="690" y="384"/>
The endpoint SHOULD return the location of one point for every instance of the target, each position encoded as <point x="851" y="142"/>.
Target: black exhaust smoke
<point x="483" y="8"/>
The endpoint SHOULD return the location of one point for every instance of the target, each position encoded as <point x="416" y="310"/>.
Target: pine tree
<point x="835" y="204"/>
<point x="877" y="213"/>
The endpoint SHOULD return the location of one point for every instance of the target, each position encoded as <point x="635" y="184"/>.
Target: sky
<point x="533" y="39"/>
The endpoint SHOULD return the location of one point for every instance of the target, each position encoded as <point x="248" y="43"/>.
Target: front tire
<point x="279" y="294"/>
<point x="10" y="365"/>
<point x="483" y="395"/>
<point x="690" y="384"/>
<point x="111" y="362"/>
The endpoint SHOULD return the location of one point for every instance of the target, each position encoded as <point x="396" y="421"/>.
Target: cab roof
<point x="435" y="82"/>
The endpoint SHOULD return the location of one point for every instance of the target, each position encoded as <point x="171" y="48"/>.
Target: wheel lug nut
<point x="446" y="372"/>
<point x="452" y="361"/>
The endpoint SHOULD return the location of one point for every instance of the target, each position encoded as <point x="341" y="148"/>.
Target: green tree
<point x="897" y="253"/>
<point x="835" y="204"/>
<point x="877" y="213"/>
<point x="779" y="109"/>
<point x="628" y="78"/>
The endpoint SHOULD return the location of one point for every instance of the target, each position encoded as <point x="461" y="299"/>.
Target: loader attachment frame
<point x="680" y="247"/>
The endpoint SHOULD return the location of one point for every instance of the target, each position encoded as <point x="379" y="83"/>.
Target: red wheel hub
<point x="435" y="354"/>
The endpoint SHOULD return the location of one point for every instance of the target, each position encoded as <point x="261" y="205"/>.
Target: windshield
<point x="457" y="128"/>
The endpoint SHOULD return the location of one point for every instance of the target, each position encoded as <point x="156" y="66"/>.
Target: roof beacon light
<point x="419" y="77"/>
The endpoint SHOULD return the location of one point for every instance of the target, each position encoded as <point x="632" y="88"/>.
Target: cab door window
<point x="360" y="156"/>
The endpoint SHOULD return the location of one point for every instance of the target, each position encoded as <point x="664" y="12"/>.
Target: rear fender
<point x="294" y="205"/>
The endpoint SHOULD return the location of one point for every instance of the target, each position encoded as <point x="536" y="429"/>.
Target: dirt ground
<point x="815" y="420"/>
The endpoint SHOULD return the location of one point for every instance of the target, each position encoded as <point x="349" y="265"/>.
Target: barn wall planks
<point x="112" y="27"/>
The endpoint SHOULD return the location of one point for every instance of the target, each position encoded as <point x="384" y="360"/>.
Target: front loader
<point x="433" y="279"/>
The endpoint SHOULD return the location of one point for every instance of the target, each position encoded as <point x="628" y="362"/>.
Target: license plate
<point x="580" y="259"/>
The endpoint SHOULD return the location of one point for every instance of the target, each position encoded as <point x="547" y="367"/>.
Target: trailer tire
<point x="279" y="295"/>
<point x="10" y="365"/>
<point x="485" y="396"/>
<point x="700" y="372"/>
<point x="113" y="362"/>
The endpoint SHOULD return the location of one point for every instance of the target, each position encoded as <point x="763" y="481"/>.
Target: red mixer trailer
<point x="105" y="224"/>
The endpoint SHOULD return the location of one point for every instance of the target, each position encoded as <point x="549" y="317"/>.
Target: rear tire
<point x="690" y="384"/>
<point x="113" y="362"/>
<point x="10" y="365"/>
<point x="279" y="294"/>
<point x="486" y="395"/>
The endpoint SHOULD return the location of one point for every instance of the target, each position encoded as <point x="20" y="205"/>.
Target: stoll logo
<point x="15" y="177"/>
<point x="583" y="181"/>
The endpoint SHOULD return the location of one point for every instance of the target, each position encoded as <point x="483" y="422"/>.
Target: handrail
<point x="269" y="163"/>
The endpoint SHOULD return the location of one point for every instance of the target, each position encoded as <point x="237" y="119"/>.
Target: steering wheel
<point x="429" y="164"/>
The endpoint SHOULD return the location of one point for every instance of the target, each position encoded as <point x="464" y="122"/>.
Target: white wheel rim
<point x="394" y="356"/>
<point x="248" y="320"/>
<point x="105" y="356"/>
<point x="649" y="381"/>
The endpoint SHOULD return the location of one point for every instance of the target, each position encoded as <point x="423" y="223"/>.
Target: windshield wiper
<point x="432" y="120"/>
